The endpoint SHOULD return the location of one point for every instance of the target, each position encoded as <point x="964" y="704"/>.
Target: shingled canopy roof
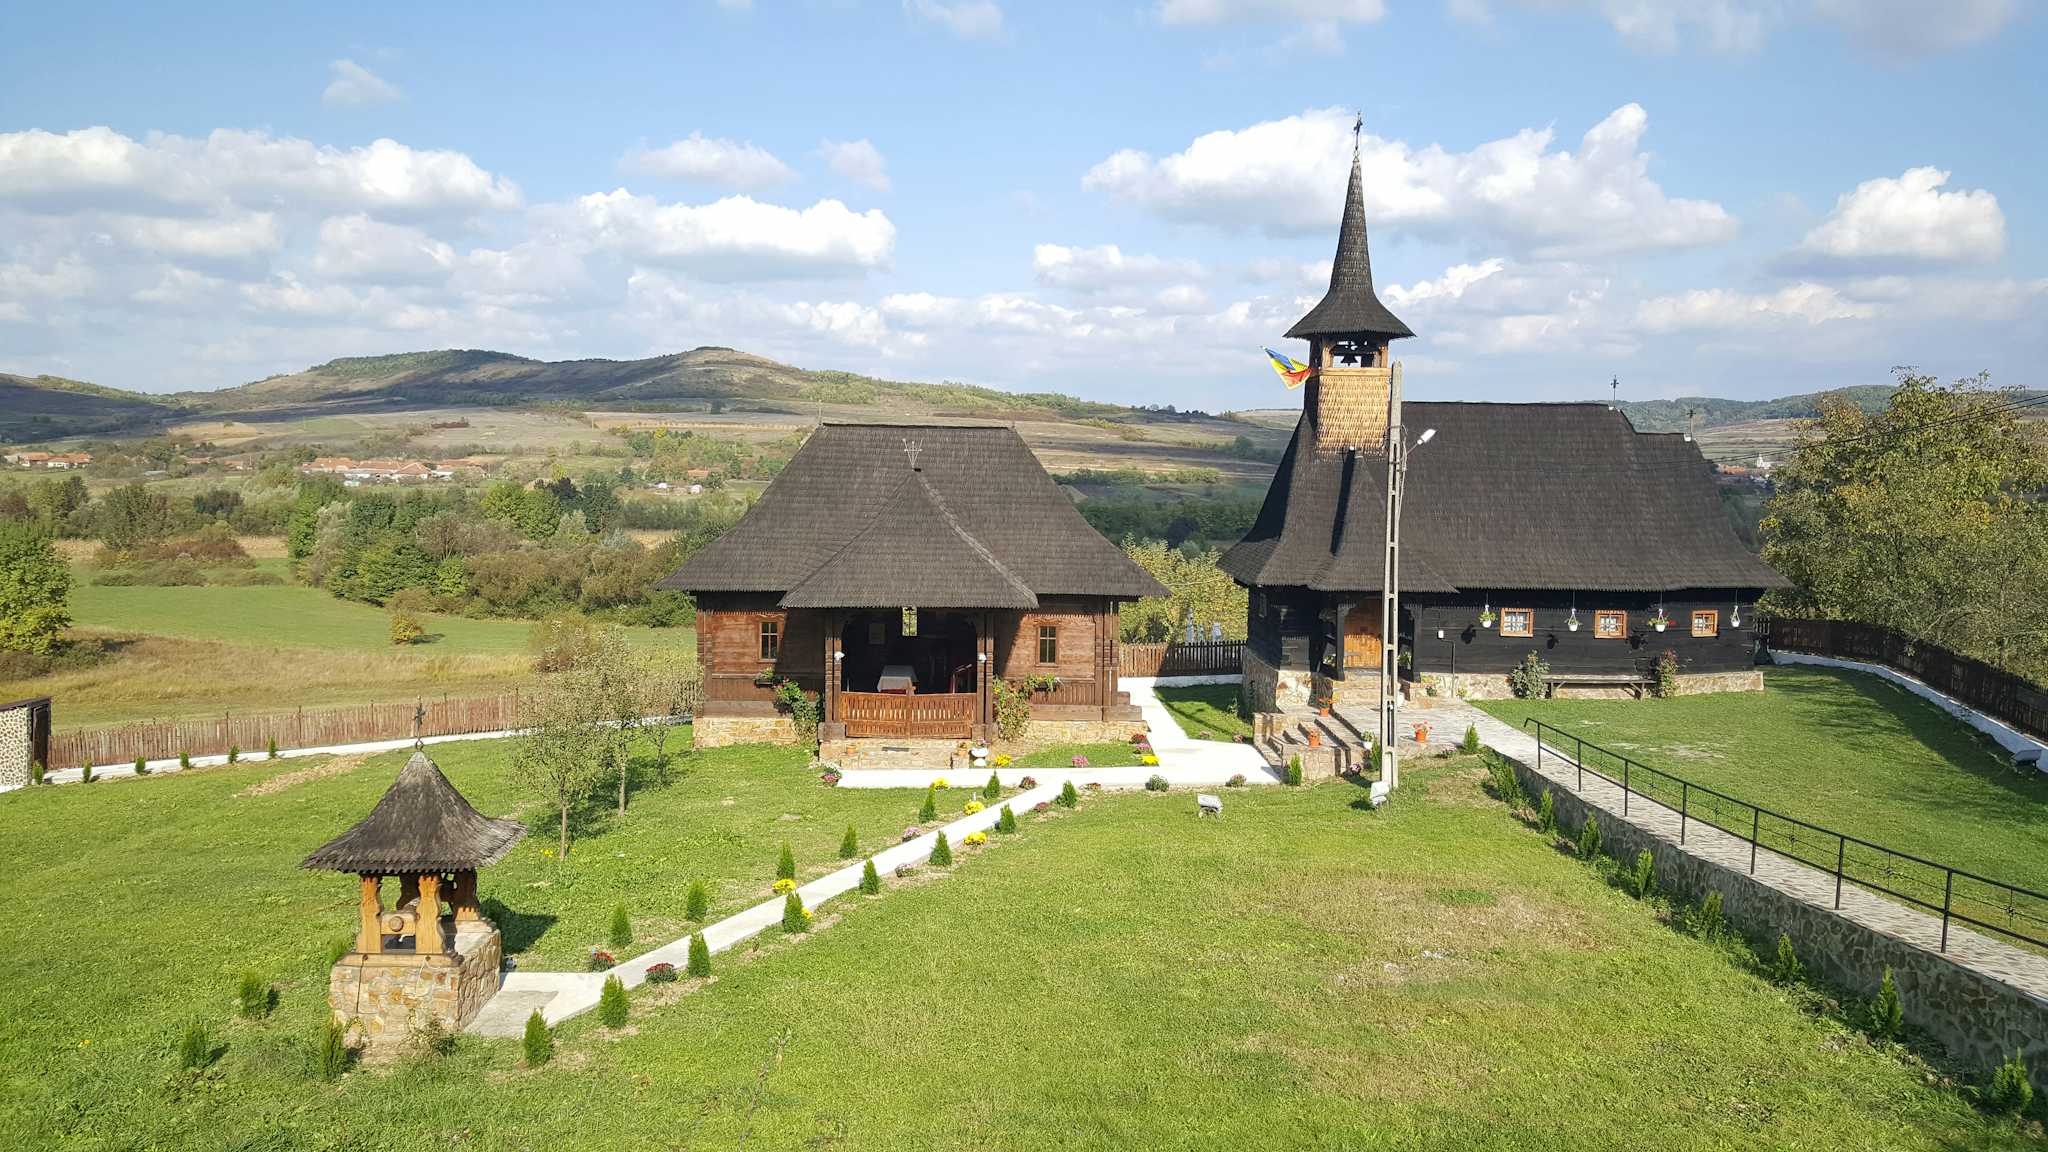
<point x="421" y="825"/>
<point x="1351" y="307"/>
<point x="977" y="523"/>
<point x="1530" y="496"/>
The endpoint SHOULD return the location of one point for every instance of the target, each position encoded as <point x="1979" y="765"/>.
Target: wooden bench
<point x="1638" y="684"/>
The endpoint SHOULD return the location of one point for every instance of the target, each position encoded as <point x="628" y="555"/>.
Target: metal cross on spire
<point x="1357" y="126"/>
<point x="419" y="724"/>
<point x="911" y="448"/>
<point x="1614" y="393"/>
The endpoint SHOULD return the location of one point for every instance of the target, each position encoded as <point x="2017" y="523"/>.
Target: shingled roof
<point x="977" y="523"/>
<point x="421" y="825"/>
<point x="1351" y="307"/>
<point x="1531" y="496"/>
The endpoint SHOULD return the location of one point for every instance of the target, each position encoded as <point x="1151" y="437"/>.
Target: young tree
<point x="35" y="587"/>
<point x="563" y="754"/>
<point x="671" y="682"/>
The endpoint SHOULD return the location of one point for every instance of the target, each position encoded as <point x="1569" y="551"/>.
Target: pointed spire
<point x="1350" y="308"/>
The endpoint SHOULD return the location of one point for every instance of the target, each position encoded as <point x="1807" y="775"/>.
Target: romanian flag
<point x="1291" y="370"/>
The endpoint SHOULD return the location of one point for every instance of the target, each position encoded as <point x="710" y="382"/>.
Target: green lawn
<point x="1845" y="750"/>
<point x="1432" y="975"/>
<point x="1205" y="711"/>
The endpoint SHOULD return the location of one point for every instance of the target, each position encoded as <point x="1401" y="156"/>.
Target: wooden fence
<point x="1178" y="658"/>
<point x="2016" y="701"/>
<point x="301" y="728"/>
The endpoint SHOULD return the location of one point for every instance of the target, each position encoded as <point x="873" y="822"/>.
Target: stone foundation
<point x="725" y="731"/>
<point x="1043" y="732"/>
<point x="1700" y="683"/>
<point x="1270" y="689"/>
<point x="1470" y="686"/>
<point x="388" y="996"/>
<point x="15" y="747"/>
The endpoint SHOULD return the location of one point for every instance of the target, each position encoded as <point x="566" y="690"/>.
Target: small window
<point x="1048" y="644"/>
<point x="1706" y="622"/>
<point x="1610" y="625"/>
<point x="1517" y="622"/>
<point x="771" y="639"/>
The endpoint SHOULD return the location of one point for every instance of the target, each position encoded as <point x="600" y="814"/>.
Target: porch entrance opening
<point x="920" y="684"/>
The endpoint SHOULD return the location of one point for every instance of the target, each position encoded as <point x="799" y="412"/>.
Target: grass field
<point x="1429" y="975"/>
<point x="1845" y="750"/>
<point x="1205" y="711"/>
<point x="202" y="650"/>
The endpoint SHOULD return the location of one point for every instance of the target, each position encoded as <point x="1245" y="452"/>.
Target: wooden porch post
<point x="984" y="671"/>
<point x="829" y="703"/>
<point x="427" y="937"/>
<point x="462" y="895"/>
<point x="1343" y="638"/>
<point x="370" y="932"/>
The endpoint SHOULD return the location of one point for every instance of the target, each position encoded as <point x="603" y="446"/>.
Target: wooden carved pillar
<point x="1342" y="628"/>
<point x="370" y="931"/>
<point x="408" y="889"/>
<point x="427" y="936"/>
<point x="984" y="672"/>
<point x="462" y="896"/>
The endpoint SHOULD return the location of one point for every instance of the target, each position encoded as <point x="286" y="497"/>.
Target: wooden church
<point x="1556" y="529"/>
<point x="895" y="572"/>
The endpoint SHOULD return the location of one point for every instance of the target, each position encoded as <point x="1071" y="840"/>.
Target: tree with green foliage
<point x="697" y="904"/>
<point x="870" y="880"/>
<point x="1589" y="838"/>
<point x="942" y="852"/>
<point x="35" y="590"/>
<point x="994" y="787"/>
<point x="785" y="864"/>
<point x="1068" y="798"/>
<point x="1925" y="517"/>
<point x="561" y="758"/>
<point x="795" y="917"/>
<point x="1785" y="966"/>
<point x="929" y="810"/>
<point x="538" y="1043"/>
<point x="849" y="844"/>
<point x="699" y="965"/>
<point x="622" y="927"/>
<point x="1006" y="821"/>
<point x="612" y="1005"/>
<point x="132" y="515"/>
<point x="1198" y="591"/>
<point x="1887" y="1012"/>
<point x="2011" y="1091"/>
<point x="195" y="1047"/>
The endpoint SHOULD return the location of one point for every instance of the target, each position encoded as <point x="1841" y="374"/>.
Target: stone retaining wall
<point x="16" y="747"/>
<point x="389" y="996"/>
<point x="725" y="731"/>
<point x="1981" y="1021"/>
<point x="1271" y="689"/>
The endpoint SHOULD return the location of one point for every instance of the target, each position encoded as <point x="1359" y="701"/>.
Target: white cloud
<point x="236" y="236"/>
<point x="858" y="161"/>
<point x="724" y="163"/>
<point x="739" y="238"/>
<point x="1451" y="285"/>
<point x="357" y="248"/>
<point x="1103" y="267"/>
<point x="1802" y="305"/>
<point x="100" y="167"/>
<point x="1891" y="27"/>
<point x="1727" y="26"/>
<point x="354" y="85"/>
<point x="1323" y="12"/>
<point x="967" y="19"/>
<point x="660" y="303"/>
<point x="1916" y="27"/>
<point x="63" y="281"/>
<point x="1910" y="218"/>
<point x="1286" y="177"/>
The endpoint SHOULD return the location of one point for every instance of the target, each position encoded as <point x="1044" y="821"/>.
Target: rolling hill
<point x="52" y="408"/>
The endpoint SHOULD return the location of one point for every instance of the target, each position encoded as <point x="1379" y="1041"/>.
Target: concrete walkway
<point x="1981" y="954"/>
<point x="560" y="995"/>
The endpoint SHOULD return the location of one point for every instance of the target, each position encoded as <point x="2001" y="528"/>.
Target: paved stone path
<point x="1981" y="954"/>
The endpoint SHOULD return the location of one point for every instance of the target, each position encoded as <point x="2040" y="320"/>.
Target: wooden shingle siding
<point x="1466" y="647"/>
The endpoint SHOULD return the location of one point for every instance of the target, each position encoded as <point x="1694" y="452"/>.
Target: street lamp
<point x="1390" y="583"/>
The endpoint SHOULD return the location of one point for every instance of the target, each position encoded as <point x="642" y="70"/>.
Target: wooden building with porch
<point x="893" y="572"/>
<point x="1553" y="529"/>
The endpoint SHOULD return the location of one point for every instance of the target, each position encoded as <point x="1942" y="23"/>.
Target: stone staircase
<point x="894" y="753"/>
<point x="1329" y="745"/>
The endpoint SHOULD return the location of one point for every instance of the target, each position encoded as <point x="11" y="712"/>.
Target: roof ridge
<point x="973" y="541"/>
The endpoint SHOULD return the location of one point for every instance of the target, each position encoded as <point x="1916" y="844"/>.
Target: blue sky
<point x="1722" y="197"/>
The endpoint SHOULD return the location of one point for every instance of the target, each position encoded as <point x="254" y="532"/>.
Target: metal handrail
<point x="1631" y="771"/>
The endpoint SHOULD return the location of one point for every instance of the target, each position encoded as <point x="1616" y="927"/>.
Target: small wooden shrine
<point x="431" y="954"/>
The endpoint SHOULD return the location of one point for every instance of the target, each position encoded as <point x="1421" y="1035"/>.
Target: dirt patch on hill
<point x="333" y="766"/>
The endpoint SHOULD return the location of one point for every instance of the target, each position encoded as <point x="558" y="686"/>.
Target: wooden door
<point x="1362" y="637"/>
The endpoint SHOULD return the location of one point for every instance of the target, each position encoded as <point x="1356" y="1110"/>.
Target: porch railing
<point x="939" y="714"/>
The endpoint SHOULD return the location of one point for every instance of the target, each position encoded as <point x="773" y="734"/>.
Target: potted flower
<point x="1572" y="622"/>
<point x="1422" y="733"/>
<point x="1486" y="618"/>
<point x="1315" y="738"/>
<point x="1660" y="621"/>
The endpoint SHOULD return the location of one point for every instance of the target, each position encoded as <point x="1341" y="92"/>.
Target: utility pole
<point x="1390" y="577"/>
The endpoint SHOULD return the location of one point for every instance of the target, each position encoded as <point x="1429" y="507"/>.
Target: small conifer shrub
<point x="434" y="1038"/>
<point x="1589" y="839"/>
<point x="1294" y="770"/>
<point x="1374" y="758"/>
<point x="1068" y="798"/>
<point x="1155" y="783"/>
<point x="141" y="766"/>
<point x="1007" y="821"/>
<point x="1887" y="1013"/>
<point x="1642" y="880"/>
<point x="270" y="751"/>
<point x="1546" y="813"/>
<point x="622" y="927"/>
<point x="700" y="957"/>
<point x="929" y="810"/>
<point x="1471" y="742"/>
<point x="234" y="753"/>
<point x="942" y="852"/>
<point x="331" y="1058"/>
<point x="795" y="917"/>
<point x="1236" y="781"/>
<point x="253" y="996"/>
<point x="184" y="759"/>
<point x="85" y="774"/>
<point x="611" y="1003"/>
<point x="1785" y="966"/>
<point x="2011" y="1092"/>
<point x="539" y="1042"/>
<point x="849" y="844"/>
<point x="870" y="880"/>
<point x="1712" y="921"/>
<point x="698" y="903"/>
<point x="993" y="788"/>
<point x="785" y="865"/>
<point x="195" y="1047"/>
<point x="35" y="771"/>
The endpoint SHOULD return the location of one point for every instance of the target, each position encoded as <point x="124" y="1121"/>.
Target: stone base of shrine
<point x="388" y="996"/>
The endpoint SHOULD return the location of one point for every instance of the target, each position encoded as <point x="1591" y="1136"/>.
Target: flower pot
<point x="1315" y="739"/>
<point x="1571" y="625"/>
<point x="1659" y="626"/>
<point x="1422" y="733"/>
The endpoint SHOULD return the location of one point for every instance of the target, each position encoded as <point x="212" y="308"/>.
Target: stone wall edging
<point x="1980" y="1020"/>
<point x="2009" y="738"/>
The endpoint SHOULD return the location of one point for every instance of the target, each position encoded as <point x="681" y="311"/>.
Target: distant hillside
<point x="51" y="408"/>
<point x="698" y="377"/>
<point x="1670" y="415"/>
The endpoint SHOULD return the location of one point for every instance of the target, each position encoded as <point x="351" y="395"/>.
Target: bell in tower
<point x="1348" y="333"/>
